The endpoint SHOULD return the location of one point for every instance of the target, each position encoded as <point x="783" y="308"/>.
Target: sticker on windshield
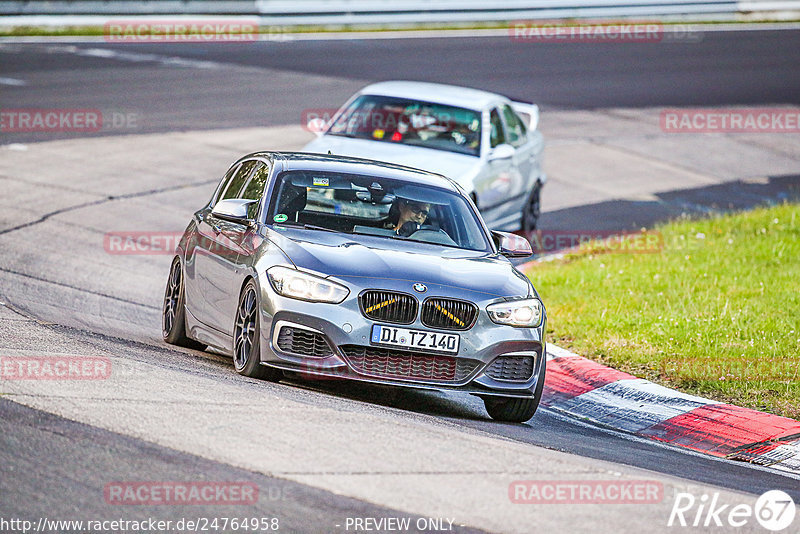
<point x="281" y="217"/>
<point x="322" y="182"/>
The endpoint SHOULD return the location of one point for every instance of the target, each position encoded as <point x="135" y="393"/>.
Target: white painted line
<point x="631" y="405"/>
<point x="19" y="147"/>
<point x="134" y="57"/>
<point x="48" y="39"/>
<point x="554" y="351"/>
<point x="13" y="82"/>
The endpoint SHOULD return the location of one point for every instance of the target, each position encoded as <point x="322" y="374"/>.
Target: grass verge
<point x="715" y="312"/>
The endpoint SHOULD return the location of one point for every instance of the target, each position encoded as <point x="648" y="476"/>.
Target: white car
<point x="488" y="144"/>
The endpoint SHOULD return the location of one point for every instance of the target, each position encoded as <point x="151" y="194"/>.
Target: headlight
<point x="299" y="285"/>
<point x="527" y="312"/>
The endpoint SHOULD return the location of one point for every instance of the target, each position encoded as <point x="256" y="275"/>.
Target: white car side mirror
<point x="504" y="151"/>
<point x="316" y="125"/>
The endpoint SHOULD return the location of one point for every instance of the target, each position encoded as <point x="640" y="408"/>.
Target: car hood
<point x="360" y="259"/>
<point x="459" y="167"/>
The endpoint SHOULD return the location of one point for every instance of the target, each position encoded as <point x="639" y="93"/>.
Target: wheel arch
<point x="246" y="280"/>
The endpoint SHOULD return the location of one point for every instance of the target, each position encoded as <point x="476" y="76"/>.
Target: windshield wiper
<point x="309" y="227"/>
<point x="322" y="228"/>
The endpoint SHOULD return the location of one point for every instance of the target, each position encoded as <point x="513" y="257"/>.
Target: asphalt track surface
<point x="92" y="453"/>
<point x="721" y="68"/>
<point x="51" y="465"/>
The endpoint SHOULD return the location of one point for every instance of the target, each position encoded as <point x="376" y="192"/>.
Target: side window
<point x="254" y="189"/>
<point x="497" y="136"/>
<point x="516" y="128"/>
<point x="225" y="182"/>
<point x="235" y="185"/>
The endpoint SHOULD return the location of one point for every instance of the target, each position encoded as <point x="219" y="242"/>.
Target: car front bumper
<point x="345" y="329"/>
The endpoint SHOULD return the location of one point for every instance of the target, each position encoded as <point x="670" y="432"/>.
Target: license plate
<point x="414" y="339"/>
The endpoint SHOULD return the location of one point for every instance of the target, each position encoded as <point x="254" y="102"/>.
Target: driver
<point x="411" y="215"/>
<point x="411" y="212"/>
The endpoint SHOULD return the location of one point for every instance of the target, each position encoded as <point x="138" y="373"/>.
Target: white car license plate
<point x="414" y="339"/>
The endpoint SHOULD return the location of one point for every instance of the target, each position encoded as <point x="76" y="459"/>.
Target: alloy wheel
<point x="244" y="331"/>
<point x="172" y="297"/>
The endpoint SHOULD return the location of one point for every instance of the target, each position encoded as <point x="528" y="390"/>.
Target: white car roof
<point x="438" y="93"/>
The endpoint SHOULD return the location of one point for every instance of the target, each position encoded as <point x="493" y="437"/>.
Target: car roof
<point x="451" y="95"/>
<point x="350" y="165"/>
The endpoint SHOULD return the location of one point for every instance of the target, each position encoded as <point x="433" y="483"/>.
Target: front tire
<point x="517" y="410"/>
<point x="173" y="314"/>
<point x="247" y="335"/>
<point x="532" y="210"/>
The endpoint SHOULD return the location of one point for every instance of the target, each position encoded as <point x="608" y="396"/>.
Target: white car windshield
<point x="411" y="122"/>
<point x="375" y="206"/>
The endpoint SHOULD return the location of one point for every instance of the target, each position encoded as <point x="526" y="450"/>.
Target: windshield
<point x="370" y="205"/>
<point x="411" y="122"/>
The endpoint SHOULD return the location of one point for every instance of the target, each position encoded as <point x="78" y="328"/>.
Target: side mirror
<point x="316" y="125"/>
<point x="233" y="210"/>
<point x="504" y="151"/>
<point x="511" y="245"/>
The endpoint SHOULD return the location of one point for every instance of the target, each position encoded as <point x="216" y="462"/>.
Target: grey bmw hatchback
<point x="349" y="268"/>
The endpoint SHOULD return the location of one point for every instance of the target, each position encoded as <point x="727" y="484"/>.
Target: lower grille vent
<point x="512" y="368"/>
<point x="390" y="363"/>
<point x="303" y="342"/>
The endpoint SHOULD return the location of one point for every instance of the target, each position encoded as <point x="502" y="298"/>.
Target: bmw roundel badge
<point x="420" y="288"/>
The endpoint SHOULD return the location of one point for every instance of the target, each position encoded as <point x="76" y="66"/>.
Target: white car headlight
<point x="527" y="312"/>
<point x="304" y="286"/>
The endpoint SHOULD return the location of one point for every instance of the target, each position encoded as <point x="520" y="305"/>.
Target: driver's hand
<point x="408" y="228"/>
